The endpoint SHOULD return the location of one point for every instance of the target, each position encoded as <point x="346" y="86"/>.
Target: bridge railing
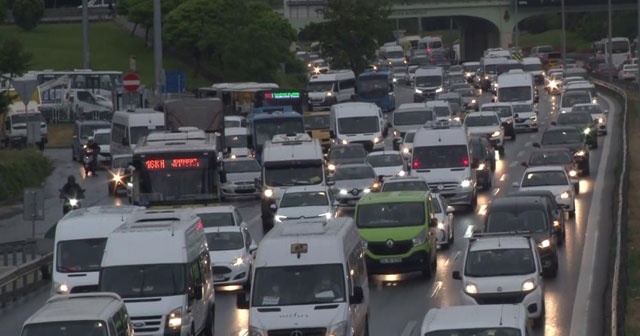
<point x="24" y="270"/>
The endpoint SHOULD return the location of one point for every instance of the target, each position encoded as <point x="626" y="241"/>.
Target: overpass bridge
<point x="483" y="23"/>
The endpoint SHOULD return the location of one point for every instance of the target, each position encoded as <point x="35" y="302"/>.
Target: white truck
<point x="20" y="122"/>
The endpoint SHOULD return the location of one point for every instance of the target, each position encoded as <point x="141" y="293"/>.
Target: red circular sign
<point x="131" y="82"/>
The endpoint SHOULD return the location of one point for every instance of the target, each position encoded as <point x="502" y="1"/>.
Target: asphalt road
<point x="399" y="302"/>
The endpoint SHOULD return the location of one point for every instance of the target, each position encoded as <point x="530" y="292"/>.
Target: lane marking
<point x="528" y="143"/>
<point x="496" y="191"/>
<point x="458" y="253"/>
<point x="513" y="164"/>
<point x="469" y="232"/>
<point x="408" y="329"/>
<point x="436" y="289"/>
<point x="520" y="153"/>
<point x="503" y="177"/>
<point x="483" y="210"/>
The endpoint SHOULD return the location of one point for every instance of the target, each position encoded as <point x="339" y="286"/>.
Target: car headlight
<point x="338" y="329"/>
<point x="129" y="185"/>
<point x="366" y="190"/>
<point x="344" y="141"/>
<point x="279" y="218"/>
<point x="174" y="318"/>
<point x="268" y="193"/>
<point x="326" y="215"/>
<point x="486" y="77"/>
<point x="471" y="288"/>
<point x="343" y="191"/>
<point x="440" y="226"/>
<point x="418" y="91"/>
<point x="402" y="173"/>
<point x="440" y="89"/>
<point x="495" y="134"/>
<point x="237" y="261"/>
<point x="601" y="120"/>
<point x="544" y="244"/>
<point x="73" y="202"/>
<point x="376" y="140"/>
<point x="466" y="183"/>
<point x="253" y="331"/>
<point x="405" y="150"/>
<point x="587" y="131"/>
<point x="395" y="80"/>
<point x="528" y="285"/>
<point x="564" y="195"/>
<point x="331" y="167"/>
<point x="481" y="166"/>
<point x="420" y="238"/>
<point x="329" y="94"/>
<point x="556" y="223"/>
<point x="61" y="288"/>
<point x="396" y="133"/>
<point x="117" y="178"/>
<point x="473" y="101"/>
<point x="573" y="173"/>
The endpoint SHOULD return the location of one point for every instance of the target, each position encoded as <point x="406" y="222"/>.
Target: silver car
<point x="444" y="214"/>
<point x="241" y="175"/>
<point x="351" y="182"/>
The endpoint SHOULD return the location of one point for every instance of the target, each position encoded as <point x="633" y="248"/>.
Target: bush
<point x="21" y="169"/>
<point x="27" y="13"/>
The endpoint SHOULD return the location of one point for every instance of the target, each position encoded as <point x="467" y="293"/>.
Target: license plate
<point x="390" y="260"/>
<point x="217" y="277"/>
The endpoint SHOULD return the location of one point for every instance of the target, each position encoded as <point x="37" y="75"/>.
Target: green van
<point x="398" y="231"/>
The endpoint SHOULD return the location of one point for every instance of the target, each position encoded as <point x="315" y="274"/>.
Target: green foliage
<point x="20" y="169"/>
<point x="351" y="29"/>
<point x="3" y="10"/>
<point x="14" y="62"/>
<point x="311" y="32"/>
<point x="241" y="40"/>
<point x="27" y="13"/>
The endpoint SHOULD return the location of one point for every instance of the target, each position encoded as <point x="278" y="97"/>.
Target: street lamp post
<point x="85" y="35"/>
<point x="517" y="32"/>
<point x="563" y="37"/>
<point x="157" y="46"/>
<point x="609" y="44"/>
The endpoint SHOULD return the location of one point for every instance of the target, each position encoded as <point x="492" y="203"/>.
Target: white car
<point x="241" y="175"/>
<point x="104" y="102"/>
<point x="486" y="124"/>
<point x="551" y="178"/>
<point x="387" y="163"/>
<point x="503" y="268"/>
<point x="220" y="215"/>
<point x="231" y="252"/>
<point x="404" y="183"/>
<point x="444" y="214"/>
<point x="525" y="117"/>
<point x="305" y="202"/>
<point x="597" y="113"/>
<point x="102" y="137"/>
<point x="407" y="145"/>
<point x="628" y="72"/>
<point x="234" y="121"/>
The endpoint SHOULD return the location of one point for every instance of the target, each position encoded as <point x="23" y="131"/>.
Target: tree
<point x="350" y="30"/>
<point x="140" y="12"/>
<point x="14" y="62"/>
<point x="27" y="13"/>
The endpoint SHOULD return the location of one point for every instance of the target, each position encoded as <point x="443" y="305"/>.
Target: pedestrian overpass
<point x="483" y="23"/>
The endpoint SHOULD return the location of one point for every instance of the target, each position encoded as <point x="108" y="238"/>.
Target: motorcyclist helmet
<point x="90" y="140"/>
<point x="71" y="179"/>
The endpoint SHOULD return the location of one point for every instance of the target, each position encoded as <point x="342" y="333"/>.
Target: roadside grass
<point x="553" y="37"/>
<point x="59" y="47"/>
<point x="632" y="323"/>
<point x="60" y="135"/>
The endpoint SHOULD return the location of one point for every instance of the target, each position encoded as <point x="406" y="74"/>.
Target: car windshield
<point x="405" y="186"/>
<point x="530" y="220"/>
<point x="574" y="118"/>
<point x="356" y="125"/>
<point x="213" y="219"/>
<point x="502" y="111"/>
<point x="133" y="281"/>
<point x="354" y="173"/>
<point x="557" y="137"/>
<point x="82" y="255"/>
<point x="401" y="118"/>
<point x="232" y="123"/>
<point x="480" y="120"/>
<point x="385" y="160"/>
<point x="500" y="331"/>
<point x="391" y="214"/>
<point x="591" y="108"/>
<point x="436" y="157"/>
<point x="430" y="81"/>
<point x="304" y="199"/>
<point x="442" y="111"/>
<point x="66" y="328"/>
<point x="575" y="97"/>
<point x="298" y="285"/>
<point x="88" y="130"/>
<point x="347" y="152"/>
<point x="515" y="93"/>
<point x="293" y="175"/>
<point x="225" y="241"/>
<point x="241" y="166"/>
<point x="544" y="178"/>
<point x="316" y="122"/>
<point x="499" y="262"/>
<point x="465" y="92"/>
<point x="320" y="86"/>
<point x="532" y="67"/>
<point x="121" y="162"/>
<point x="102" y="138"/>
<point x="522" y="108"/>
<point x="236" y="141"/>
<point x="550" y="158"/>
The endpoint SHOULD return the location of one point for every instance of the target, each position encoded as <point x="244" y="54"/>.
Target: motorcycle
<point x="88" y="161"/>
<point x="71" y="201"/>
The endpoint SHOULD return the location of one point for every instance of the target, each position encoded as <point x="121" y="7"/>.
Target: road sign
<point x="25" y="87"/>
<point x="131" y="82"/>
<point x="176" y="82"/>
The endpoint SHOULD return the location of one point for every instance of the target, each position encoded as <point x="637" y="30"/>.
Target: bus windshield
<point x="293" y="174"/>
<point x="373" y="86"/>
<point x="357" y="125"/>
<point x="514" y="93"/>
<point x="265" y="129"/>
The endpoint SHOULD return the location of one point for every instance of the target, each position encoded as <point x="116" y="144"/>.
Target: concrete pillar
<point x="419" y="26"/>
<point x="506" y="38"/>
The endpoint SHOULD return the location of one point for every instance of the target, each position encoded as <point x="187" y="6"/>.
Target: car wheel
<point x="604" y="132"/>
<point x="535" y="130"/>
<point x="474" y="203"/>
<point x="267" y="224"/>
<point x="366" y="326"/>
<point x="539" y="321"/>
<point x="594" y="145"/>
<point x="209" y="327"/>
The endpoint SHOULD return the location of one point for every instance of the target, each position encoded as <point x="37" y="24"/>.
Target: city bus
<point x="103" y="83"/>
<point x="620" y="50"/>
<point x="377" y="87"/>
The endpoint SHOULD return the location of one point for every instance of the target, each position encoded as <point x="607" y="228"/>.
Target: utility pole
<point x="157" y="46"/>
<point x="517" y="32"/>
<point x="609" y="45"/>
<point x="563" y="37"/>
<point x="85" y="35"/>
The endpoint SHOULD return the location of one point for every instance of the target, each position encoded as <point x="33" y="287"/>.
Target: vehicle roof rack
<point x="515" y="233"/>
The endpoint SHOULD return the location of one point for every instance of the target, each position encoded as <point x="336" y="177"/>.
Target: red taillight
<point x="415" y="164"/>
<point x="199" y="226"/>
<point x="465" y="162"/>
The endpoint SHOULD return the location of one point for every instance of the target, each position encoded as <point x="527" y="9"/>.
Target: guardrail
<point x="617" y="305"/>
<point x="25" y="279"/>
<point x="17" y="252"/>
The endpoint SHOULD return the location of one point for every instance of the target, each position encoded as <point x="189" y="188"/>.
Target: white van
<point x="79" y="245"/>
<point x="428" y="44"/>
<point x="408" y="117"/>
<point x="87" y="314"/>
<point x="309" y="278"/>
<point x="331" y="87"/>
<point x="442" y="156"/>
<point x="489" y="66"/>
<point x="533" y="65"/>
<point x="18" y="120"/>
<point x="236" y="140"/>
<point x="158" y="262"/>
<point x="428" y="81"/>
<point x="394" y="54"/>
<point x="358" y="123"/>
<point x="507" y="319"/>
<point x="516" y="86"/>
<point x="127" y="127"/>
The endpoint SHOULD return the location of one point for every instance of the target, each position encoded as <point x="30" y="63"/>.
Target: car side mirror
<point x="456" y="275"/>
<point x="358" y="295"/>
<point x="332" y="134"/>
<point x="536" y="145"/>
<point x="125" y="142"/>
<point x="515" y="184"/>
<point x="242" y="301"/>
<point x="433" y="222"/>
<point x="450" y="209"/>
<point x="196" y="292"/>
<point x="273" y="206"/>
<point x="524" y="164"/>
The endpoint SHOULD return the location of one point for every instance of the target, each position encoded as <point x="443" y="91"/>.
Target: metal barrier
<point x="25" y="279"/>
<point x="18" y="252"/>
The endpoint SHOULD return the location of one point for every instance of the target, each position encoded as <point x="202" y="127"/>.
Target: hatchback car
<point x="241" y="176"/>
<point x="506" y="114"/>
<point x="571" y="138"/>
<point x="305" y="202"/>
<point x="387" y="163"/>
<point x="552" y="178"/>
<point x="231" y="252"/>
<point x="525" y="117"/>
<point x="352" y="181"/>
<point x="555" y="157"/>
<point x="220" y="215"/>
<point x="597" y="113"/>
<point x="486" y="124"/>
<point x="341" y="154"/>
<point x="584" y="122"/>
